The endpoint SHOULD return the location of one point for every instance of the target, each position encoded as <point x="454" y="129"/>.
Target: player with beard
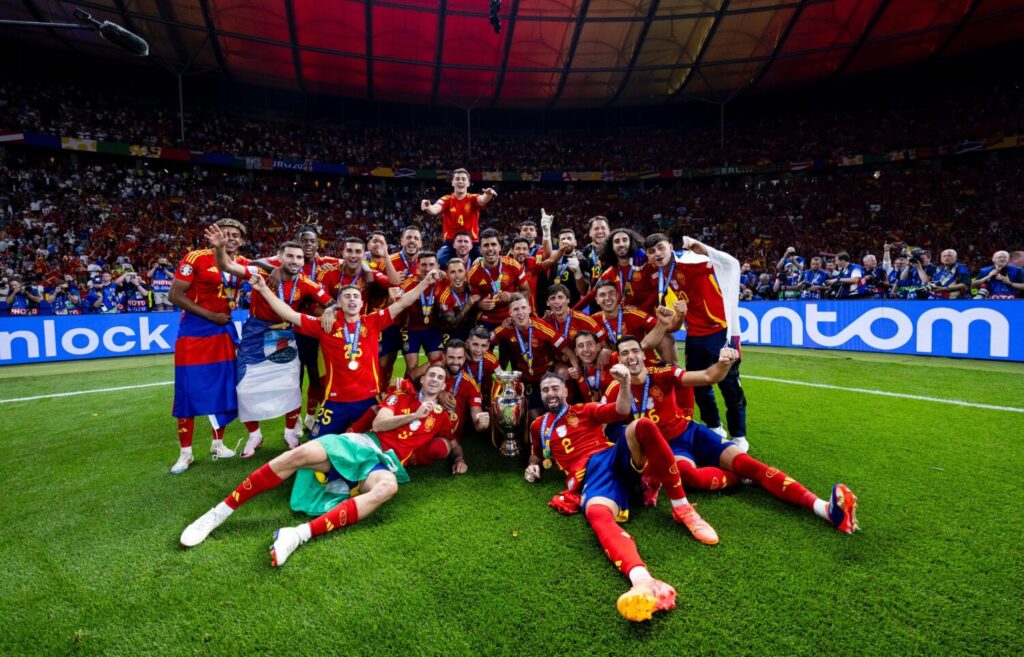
<point x="693" y="279"/>
<point x="706" y="460"/>
<point x="622" y="254"/>
<point x="457" y="303"/>
<point x="532" y="346"/>
<point x="462" y="247"/>
<point x="600" y="474"/>
<point x="481" y="363"/>
<point x="329" y="469"/>
<point x="459" y="211"/>
<point x="268" y="368"/>
<point x="204" y="351"/>
<point x="616" y="319"/>
<point x="421" y="327"/>
<point x="495" y="278"/>
<point x="528" y="230"/>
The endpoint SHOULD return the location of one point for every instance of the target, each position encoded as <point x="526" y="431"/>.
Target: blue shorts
<point x="390" y="340"/>
<point x="532" y="391"/>
<point x="611" y="474"/>
<point x="334" y="475"/>
<point x="429" y="339"/>
<point x="338" y="416"/>
<point x="699" y="445"/>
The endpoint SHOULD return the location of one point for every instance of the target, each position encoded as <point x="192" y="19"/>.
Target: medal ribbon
<point x="663" y="281"/>
<point x="618" y="333"/>
<point x="638" y="413"/>
<point x="352" y="339"/>
<point x="526" y="347"/>
<point x="545" y="431"/>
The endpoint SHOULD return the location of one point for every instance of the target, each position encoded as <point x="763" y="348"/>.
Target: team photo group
<point x="561" y="350"/>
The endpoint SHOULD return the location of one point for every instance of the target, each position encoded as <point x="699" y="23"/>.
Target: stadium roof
<point x="549" y="54"/>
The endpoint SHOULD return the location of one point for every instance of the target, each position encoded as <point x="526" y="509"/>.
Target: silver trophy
<point x="508" y="408"/>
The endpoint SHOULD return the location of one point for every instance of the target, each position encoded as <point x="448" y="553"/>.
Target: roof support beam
<point x="204" y="5"/>
<point x="510" y="30"/>
<point x="882" y="6"/>
<point x="651" y="12"/>
<point x="293" y="35"/>
<point x="700" y="55"/>
<point x="778" y="46"/>
<point x="960" y="26"/>
<point x="577" y="31"/>
<point x="369" y="49"/>
<point x="439" y="52"/>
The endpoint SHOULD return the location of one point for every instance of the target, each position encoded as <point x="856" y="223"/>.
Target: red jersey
<point x="452" y="301"/>
<point x="402" y="262"/>
<point x="532" y="270"/>
<point x="460" y="214"/>
<point x="378" y="298"/>
<point x="482" y="372"/>
<point x="334" y="278"/>
<point x="210" y="288"/>
<point x="467" y="395"/>
<point x="591" y="386"/>
<point x="694" y="283"/>
<point x="575" y="322"/>
<point x="507" y="276"/>
<point x="405" y="440"/>
<point x="635" y="286"/>
<point x="342" y="383"/>
<point x="625" y="321"/>
<point x="294" y="292"/>
<point x="574" y="438"/>
<point x="533" y="350"/>
<point x="322" y="270"/>
<point x="424" y="314"/>
<point x="663" y="405"/>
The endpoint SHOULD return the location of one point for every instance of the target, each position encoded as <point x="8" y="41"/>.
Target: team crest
<point x="656" y="393"/>
<point x="637" y="276"/>
<point x="362" y="332"/>
<point x="186" y="270"/>
<point x="429" y="424"/>
<point x="453" y="416"/>
<point x="572" y="420"/>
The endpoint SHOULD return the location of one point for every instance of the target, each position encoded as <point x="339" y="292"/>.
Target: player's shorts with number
<point x="338" y="416"/>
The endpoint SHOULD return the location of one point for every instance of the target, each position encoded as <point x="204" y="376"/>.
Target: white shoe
<point x="286" y="541"/>
<point x="197" y="532"/>
<point x="254" y="443"/>
<point x="182" y="463"/>
<point x="720" y="430"/>
<point x="291" y="437"/>
<point x="741" y="443"/>
<point x="219" y="451"/>
<point x="309" y="422"/>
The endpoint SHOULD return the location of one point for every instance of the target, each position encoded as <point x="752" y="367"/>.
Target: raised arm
<point x="624" y="400"/>
<point x="726" y="357"/>
<point x="217" y="239"/>
<point x="486" y="196"/>
<point x="283" y="310"/>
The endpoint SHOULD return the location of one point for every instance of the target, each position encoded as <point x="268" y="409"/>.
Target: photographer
<point x="134" y="296"/>
<point x="102" y="297"/>
<point x="787" y="283"/>
<point x="846" y="282"/>
<point x="813" y="285"/>
<point x="1000" y="281"/>
<point x="764" y="290"/>
<point x="22" y="300"/>
<point x="161" y="274"/>
<point x="875" y="283"/>
<point x="789" y="257"/>
<point x="915" y="277"/>
<point x="952" y="280"/>
<point x="66" y="300"/>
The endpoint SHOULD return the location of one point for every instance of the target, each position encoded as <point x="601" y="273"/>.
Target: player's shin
<point x="773" y="480"/>
<point x="258" y="482"/>
<point x="706" y="478"/>
<point x="346" y="513"/>
<point x="661" y="462"/>
<point x="186" y="425"/>
<point x="617" y="544"/>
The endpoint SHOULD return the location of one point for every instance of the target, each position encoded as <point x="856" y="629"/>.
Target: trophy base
<point x="509" y="447"/>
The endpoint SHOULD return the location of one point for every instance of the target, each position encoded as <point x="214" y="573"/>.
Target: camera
<point x="915" y="257"/>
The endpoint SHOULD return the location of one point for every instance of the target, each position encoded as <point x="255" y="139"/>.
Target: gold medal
<point x="352" y="364"/>
<point x="547" y="464"/>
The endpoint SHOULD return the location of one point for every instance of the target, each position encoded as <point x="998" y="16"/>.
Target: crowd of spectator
<point x="869" y="126"/>
<point x="83" y="233"/>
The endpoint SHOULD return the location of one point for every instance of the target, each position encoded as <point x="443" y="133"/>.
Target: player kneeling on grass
<point x="572" y="437"/>
<point x="331" y="466"/>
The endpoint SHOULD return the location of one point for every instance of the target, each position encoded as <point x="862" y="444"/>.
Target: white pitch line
<point x="882" y="393"/>
<point x="85" y="392"/>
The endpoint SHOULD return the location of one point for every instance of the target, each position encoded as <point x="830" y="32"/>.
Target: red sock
<point x="618" y="545"/>
<point x="185" y="427"/>
<point x="432" y="452"/>
<point x="661" y="462"/>
<point x="252" y="426"/>
<point x="706" y="478"/>
<point x="776" y="482"/>
<point x="292" y="418"/>
<point x="342" y="515"/>
<point x="218" y="434"/>
<point x="258" y="482"/>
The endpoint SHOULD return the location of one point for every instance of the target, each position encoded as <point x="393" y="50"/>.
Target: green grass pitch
<point x="479" y="565"/>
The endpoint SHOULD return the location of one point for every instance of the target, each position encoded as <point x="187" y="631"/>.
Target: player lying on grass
<point x="706" y="460"/>
<point x="572" y="437"/>
<point x="331" y="466"/>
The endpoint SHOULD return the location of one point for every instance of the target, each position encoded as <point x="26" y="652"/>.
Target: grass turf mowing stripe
<point x="883" y="393"/>
<point x="85" y="392"/>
